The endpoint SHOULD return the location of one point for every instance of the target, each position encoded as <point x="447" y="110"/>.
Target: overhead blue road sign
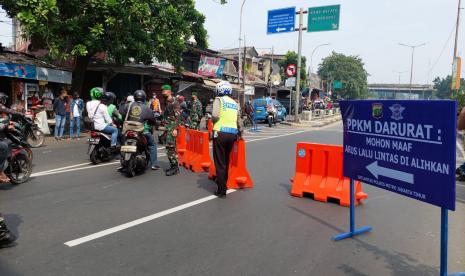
<point x="281" y="21"/>
<point x="407" y="147"/>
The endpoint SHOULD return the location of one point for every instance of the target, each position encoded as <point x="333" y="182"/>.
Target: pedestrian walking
<point x="196" y="112"/>
<point x="172" y="120"/>
<point x="59" y="107"/>
<point x="226" y="130"/>
<point x="76" y="106"/>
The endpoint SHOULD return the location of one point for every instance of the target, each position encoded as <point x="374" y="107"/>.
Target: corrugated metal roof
<point x="21" y="58"/>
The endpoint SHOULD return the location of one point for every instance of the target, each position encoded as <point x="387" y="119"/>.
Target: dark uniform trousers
<point x="222" y="146"/>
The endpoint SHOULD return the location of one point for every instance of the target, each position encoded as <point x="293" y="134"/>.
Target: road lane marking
<point x="136" y="222"/>
<point x="64" y="169"/>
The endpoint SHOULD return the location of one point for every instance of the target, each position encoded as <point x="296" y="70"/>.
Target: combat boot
<point x="7" y="239"/>
<point x="172" y="171"/>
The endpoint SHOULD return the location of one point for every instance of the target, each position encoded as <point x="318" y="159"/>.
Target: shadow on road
<point x="398" y="263"/>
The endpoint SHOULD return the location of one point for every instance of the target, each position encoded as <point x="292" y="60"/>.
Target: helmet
<point x="96" y="93"/>
<point x="223" y="88"/>
<point x="109" y="97"/>
<point x="140" y="96"/>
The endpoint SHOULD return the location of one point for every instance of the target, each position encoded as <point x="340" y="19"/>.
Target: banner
<point x="53" y="75"/>
<point x="211" y="66"/>
<point x="22" y="71"/>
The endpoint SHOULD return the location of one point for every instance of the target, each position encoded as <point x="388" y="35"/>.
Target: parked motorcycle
<point x="18" y="166"/>
<point x="31" y="132"/>
<point x="135" y="155"/>
<point x="100" y="147"/>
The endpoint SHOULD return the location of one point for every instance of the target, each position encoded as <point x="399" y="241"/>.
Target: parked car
<point x="260" y="110"/>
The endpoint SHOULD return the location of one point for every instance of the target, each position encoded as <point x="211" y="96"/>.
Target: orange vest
<point x="155" y="104"/>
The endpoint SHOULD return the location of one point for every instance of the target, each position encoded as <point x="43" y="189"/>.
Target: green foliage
<point x="291" y="58"/>
<point x="442" y="87"/>
<point x="348" y="69"/>
<point x="123" y="29"/>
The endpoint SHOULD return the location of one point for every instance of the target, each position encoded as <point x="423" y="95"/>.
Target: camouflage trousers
<point x="195" y="125"/>
<point x="171" y="150"/>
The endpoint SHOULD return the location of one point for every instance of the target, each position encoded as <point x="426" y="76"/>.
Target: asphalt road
<point x="262" y="231"/>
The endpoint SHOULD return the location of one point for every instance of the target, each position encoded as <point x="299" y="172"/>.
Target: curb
<point x="315" y="123"/>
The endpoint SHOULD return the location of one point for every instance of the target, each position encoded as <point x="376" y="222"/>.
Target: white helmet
<point x="223" y="88"/>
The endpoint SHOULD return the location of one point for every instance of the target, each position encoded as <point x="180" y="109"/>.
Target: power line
<point x="442" y="51"/>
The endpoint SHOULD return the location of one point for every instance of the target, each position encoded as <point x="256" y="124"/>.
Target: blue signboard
<point x="407" y="147"/>
<point x="281" y="21"/>
<point x="14" y="70"/>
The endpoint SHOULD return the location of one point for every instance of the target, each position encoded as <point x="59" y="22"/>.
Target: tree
<point x="291" y="58"/>
<point x="347" y="69"/>
<point x="137" y="29"/>
<point x="442" y="87"/>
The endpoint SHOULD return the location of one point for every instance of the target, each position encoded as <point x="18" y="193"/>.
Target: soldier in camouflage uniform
<point x="196" y="112"/>
<point x="172" y="120"/>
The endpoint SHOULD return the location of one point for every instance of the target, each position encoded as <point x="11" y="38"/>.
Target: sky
<point x="370" y="29"/>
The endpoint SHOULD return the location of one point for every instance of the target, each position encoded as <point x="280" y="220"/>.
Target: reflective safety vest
<point x="228" y="116"/>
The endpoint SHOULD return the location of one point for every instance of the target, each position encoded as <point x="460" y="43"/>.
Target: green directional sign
<point x="324" y="18"/>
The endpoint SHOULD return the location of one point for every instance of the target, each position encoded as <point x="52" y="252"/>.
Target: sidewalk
<point x="316" y="123"/>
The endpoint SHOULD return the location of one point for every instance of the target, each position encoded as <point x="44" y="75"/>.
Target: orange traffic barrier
<point x="238" y="175"/>
<point x="197" y="156"/>
<point x="181" y="143"/>
<point x="319" y="171"/>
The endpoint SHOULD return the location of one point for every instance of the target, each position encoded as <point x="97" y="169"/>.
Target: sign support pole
<point x="444" y="232"/>
<point x="254" y="121"/>
<point x="352" y="232"/>
<point x="299" y="64"/>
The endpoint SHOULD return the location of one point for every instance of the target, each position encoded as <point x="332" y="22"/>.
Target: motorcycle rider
<point x="138" y="111"/>
<point x="270" y="108"/>
<point x="109" y="98"/>
<point x="7" y="239"/>
<point x="98" y="112"/>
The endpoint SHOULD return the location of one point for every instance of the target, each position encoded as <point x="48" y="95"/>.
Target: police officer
<point x="171" y="120"/>
<point x="226" y="130"/>
<point x="196" y="112"/>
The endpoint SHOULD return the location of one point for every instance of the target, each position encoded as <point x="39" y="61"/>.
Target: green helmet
<point x="96" y="93"/>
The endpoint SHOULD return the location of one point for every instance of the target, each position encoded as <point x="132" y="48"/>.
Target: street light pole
<point x="311" y="57"/>
<point x="399" y="73"/>
<point x="411" y="66"/>
<point x="456" y="38"/>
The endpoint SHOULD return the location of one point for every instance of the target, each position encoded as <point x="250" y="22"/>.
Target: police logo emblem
<point x="377" y="110"/>
<point x="397" y="110"/>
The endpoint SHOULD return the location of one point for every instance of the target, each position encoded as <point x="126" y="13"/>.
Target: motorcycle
<point x="18" y="166"/>
<point x="99" y="147"/>
<point x="135" y="155"/>
<point x="31" y="132"/>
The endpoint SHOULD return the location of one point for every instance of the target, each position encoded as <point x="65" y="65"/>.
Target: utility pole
<point x="456" y="37"/>
<point x="299" y="63"/>
<point x="239" y="71"/>
<point x="411" y="66"/>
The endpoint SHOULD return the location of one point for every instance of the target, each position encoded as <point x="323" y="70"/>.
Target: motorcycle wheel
<point x="20" y="169"/>
<point x="94" y="157"/>
<point x="35" y="138"/>
<point x="131" y="167"/>
<point x="270" y="122"/>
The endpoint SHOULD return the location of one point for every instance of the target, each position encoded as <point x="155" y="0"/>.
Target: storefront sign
<point x="53" y="75"/>
<point x="211" y="66"/>
<point x="14" y="70"/>
<point x="403" y="147"/>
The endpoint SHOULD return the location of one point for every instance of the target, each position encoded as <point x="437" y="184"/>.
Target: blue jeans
<point x="152" y="148"/>
<point x="77" y="121"/>
<point x="60" y="121"/>
<point x="114" y="134"/>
